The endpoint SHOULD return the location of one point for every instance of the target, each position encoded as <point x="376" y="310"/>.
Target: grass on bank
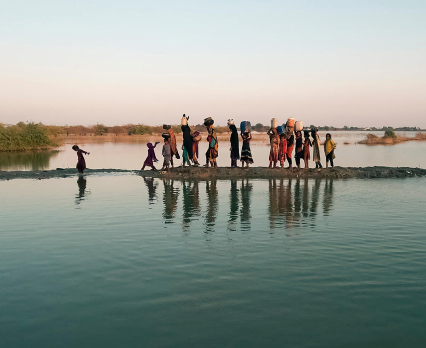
<point x="25" y="136"/>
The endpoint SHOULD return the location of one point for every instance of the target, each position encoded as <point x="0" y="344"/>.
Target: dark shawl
<point x="187" y="140"/>
<point x="235" y="143"/>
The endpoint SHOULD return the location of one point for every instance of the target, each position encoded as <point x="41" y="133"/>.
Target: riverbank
<point x="373" y="139"/>
<point x="225" y="173"/>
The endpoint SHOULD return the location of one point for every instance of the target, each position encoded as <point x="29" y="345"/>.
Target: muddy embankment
<point x="201" y="173"/>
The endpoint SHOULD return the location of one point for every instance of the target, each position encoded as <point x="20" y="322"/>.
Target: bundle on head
<point x="166" y="126"/>
<point x="166" y="135"/>
<point x="208" y="122"/>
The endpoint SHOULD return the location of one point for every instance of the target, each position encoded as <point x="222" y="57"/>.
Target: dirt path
<point x="202" y="173"/>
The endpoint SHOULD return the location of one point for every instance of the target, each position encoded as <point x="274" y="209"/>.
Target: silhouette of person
<point x="151" y="184"/>
<point x="233" y="206"/>
<point x="246" y="190"/>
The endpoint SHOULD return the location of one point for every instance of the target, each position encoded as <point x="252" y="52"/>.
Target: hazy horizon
<point x="332" y="63"/>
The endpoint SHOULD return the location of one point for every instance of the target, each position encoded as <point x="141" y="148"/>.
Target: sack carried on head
<point x="166" y="135"/>
<point x="208" y="121"/>
<point x="167" y="126"/>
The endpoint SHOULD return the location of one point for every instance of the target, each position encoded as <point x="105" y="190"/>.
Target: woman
<point x="246" y="151"/>
<point x="282" y="150"/>
<point x="290" y="146"/>
<point x="212" y="151"/>
<point x="187" y="143"/>
<point x="172" y="142"/>
<point x="316" y="148"/>
<point x="329" y="147"/>
<point x="299" y="148"/>
<point x="274" y="140"/>
<point x="81" y="163"/>
<point x="235" y="146"/>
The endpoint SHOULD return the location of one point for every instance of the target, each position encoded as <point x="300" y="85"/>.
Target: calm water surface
<point x="132" y="156"/>
<point x="123" y="261"/>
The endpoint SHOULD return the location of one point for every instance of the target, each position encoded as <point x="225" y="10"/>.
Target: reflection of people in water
<point x="246" y="189"/>
<point x="151" y="184"/>
<point x="328" y="196"/>
<point x="212" y="204"/>
<point x="191" y="202"/>
<point x="305" y="200"/>
<point x="82" y="183"/>
<point x="273" y="203"/>
<point x="170" y="199"/>
<point x="315" y="196"/>
<point x="297" y="202"/>
<point x="233" y="206"/>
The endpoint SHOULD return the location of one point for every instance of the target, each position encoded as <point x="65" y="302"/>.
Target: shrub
<point x="390" y="134"/>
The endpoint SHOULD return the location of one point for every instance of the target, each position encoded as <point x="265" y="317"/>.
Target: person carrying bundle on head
<point x="299" y="148"/>
<point x="246" y="156"/>
<point x="213" y="150"/>
<point x="235" y="146"/>
<point x="274" y="140"/>
<point x="187" y="141"/>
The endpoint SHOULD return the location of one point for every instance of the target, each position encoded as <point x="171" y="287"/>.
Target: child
<point x="306" y="150"/>
<point x="81" y="164"/>
<point x="245" y="150"/>
<point x="274" y="140"/>
<point x="151" y="156"/>
<point x="167" y="154"/>
<point x="282" y="149"/>
<point x="299" y="148"/>
<point x="316" y="148"/>
<point x="329" y="147"/>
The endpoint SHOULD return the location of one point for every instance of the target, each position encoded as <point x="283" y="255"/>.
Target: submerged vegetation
<point x="25" y="136"/>
<point x="390" y="138"/>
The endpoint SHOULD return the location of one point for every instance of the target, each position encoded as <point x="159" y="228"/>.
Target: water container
<point x="196" y="136"/>
<point x="274" y="123"/>
<point x="231" y="122"/>
<point x="290" y="122"/>
<point x="166" y="135"/>
<point x="208" y="121"/>
<point x="245" y="126"/>
<point x="298" y="126"/>
<point x="184" y="121"/>
<point x="280" y="130"/>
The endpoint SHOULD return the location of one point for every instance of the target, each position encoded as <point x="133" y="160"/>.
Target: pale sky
<point x="355" y="63"/>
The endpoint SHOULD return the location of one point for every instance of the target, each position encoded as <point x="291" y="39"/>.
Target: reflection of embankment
<point x="227" y="173"/>
<point x="38" y="160"/>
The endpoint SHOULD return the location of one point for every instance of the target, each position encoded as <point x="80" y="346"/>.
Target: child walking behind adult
<point x="167" y="154"/>
<point x="81" y="164"/>
<point x="316" y="148"/>
<point x="329" y="146"/>
<point x="245" y="150"/>
<point x="150" y="159"/>
<point x="306" y="151"/>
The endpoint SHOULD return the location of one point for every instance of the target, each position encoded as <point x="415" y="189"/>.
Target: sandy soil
<point x="201" y="173"/>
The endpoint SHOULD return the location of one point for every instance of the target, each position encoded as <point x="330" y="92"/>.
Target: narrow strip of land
<point x="201" y="173"/>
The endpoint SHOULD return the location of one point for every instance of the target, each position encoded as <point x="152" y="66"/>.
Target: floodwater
<point x="126" y="261"/>
<point x="131" y="156"/>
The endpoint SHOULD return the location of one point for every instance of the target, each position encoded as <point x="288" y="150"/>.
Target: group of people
<point x="282" y="144"/>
